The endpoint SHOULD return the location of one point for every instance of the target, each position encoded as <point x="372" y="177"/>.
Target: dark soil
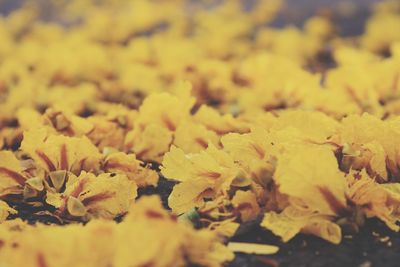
<point x="163" y="189"/>
<point x="374" y="246"/>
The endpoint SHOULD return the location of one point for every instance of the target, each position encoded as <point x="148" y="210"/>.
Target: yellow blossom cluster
<point x="148" y="236"/>
<point x="104" y="98"/>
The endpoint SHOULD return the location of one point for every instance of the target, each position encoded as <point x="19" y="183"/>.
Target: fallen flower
<point x="252" y="248"/>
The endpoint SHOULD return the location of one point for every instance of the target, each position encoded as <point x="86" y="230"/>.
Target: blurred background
<point x="349" y="15"/>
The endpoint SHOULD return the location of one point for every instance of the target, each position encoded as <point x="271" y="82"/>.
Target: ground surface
<point x="374" y="246"/>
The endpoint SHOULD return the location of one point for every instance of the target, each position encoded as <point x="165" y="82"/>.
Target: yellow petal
<point x="321" y="187"/>
<point x="252" y="248"/>
<point x="245" y="203"/>
<point x="5" y="211"/>
<point x="187" y="195"/>
<point x="75" y="207"/>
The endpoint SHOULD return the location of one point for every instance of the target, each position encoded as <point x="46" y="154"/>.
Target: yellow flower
<point x="202" y="174"/>
<point x="57" y="152"/>
<point x="378" y="34"/>
<point x="253" y="152"/>
<point x="313" y="126"/>
<point x="11" y="177"/>
<point x="375" y="200"/>
<point x="106" y="133"/>
<point x="149" y="142"/>
<point x="103" y="196"/>
<point x="246" y="205"/>
<point x="5" y="211"/>
<point x="192" y="137"/>
<point x="312" y="187"/>
<point x="149" y="230"/>
<point x="158" y="118"/>
<point x="372" y="148"/>
<point x="292" y="221"/>
<point x="220" y="124"/>
<point x="128" y="165"/>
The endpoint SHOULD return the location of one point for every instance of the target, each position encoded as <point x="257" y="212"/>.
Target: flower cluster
<point x="295" y="128"/>
<point x="149" y="236"/>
